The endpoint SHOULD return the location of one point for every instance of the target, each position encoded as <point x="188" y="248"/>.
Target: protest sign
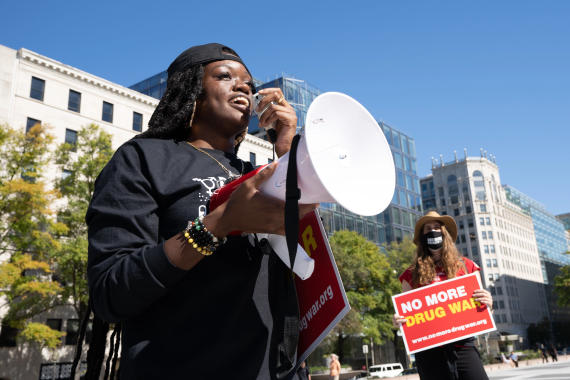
<point x="322" y="300"/>
<point x="441" y="313"/>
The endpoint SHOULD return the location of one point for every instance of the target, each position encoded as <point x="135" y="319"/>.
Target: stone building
<point x="496" y="234"/>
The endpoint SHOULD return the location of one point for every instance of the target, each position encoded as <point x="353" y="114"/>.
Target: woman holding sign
<point x="437" y="259"/>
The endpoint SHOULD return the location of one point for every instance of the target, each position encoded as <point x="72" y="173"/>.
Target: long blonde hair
<point x="423" y="267"/>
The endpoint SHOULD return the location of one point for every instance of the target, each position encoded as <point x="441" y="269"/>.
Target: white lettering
<point x="442" y="296"/>
<point x="461" y="291"/>
<point x="417" y="304"/>
<point x="431" y="300"/>
<point x="406" y="307"/>
<point x="452" y="293"/>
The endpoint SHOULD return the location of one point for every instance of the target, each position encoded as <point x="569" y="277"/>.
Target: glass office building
<point x="549" y="231"/>
<point x="154" y="86"/>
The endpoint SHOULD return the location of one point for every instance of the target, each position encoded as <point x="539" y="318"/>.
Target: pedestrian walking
<point x="167" y="270"/>
<point x="553" y="353"/>
<point x="303" y="372"/>
<point x="437" y="259"/>
<point x="335" y="367"/>
<point x="543" y="353"/>
<point x="514" y="358"/>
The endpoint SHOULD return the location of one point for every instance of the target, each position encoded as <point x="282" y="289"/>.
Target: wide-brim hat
<point x="446" y="220"/>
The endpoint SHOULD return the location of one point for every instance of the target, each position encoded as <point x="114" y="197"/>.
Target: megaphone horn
<point x="342" y="157"/>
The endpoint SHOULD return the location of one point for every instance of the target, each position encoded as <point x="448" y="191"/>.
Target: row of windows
<point x="487" y="234"/>
<point x="406" y="180"/>
<point x="70" y="135"/>
<point x="404" y="218"/>
<point x="253" y="159"/>
<point x="399" y="141"/>
<point x="336" y="221"/>
<point x="74" y="104"/>
<point x="407" y="163"/>
<point x="408" y="200"/>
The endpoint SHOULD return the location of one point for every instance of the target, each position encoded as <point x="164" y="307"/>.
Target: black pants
<point x="432" y="364"/>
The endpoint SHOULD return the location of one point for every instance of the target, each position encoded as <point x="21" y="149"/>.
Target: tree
<point x="365" y="273"/>
<point x="81" y="163"/>
<point x="27" y="228"/>
<point x="400" y="256"/>
<point x="562" y="285"/>
<point x="538" y="332"/>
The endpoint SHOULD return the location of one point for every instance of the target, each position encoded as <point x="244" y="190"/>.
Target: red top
<point x="440" y="274"/>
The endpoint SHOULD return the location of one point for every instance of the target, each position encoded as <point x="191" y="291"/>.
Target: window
<point x="470" y="223"/>
<point x="54" y="324"/>
<point x="468" y="209"/>
<point x="460" y="224"/>
<point x="499" y="291"/>
<point x="65" y="174"/>
<point x="269" y="160"/>
<point x="488" y="263"/>
<point x="403" y="199"/>
<point x="492" y="290"/>
<point x="72" y="332"/>
<point x="484" y="233"/>
<point x="475" y="250"/>
<point x="400" y="177"/>
<point x="486" y="248"/>
<point x="497" y="317"/>
<point x="8" y="335"/>
<point x="396" y="215"/>
<point x="497" y="278"/>
<point x="495" y="263"/>
<point x="479" y="183"/>
<point x="107" y="112"/>
<point x="71" y="139"/>
<point x="464" y="252"/>
<point x="396" y="137"/>
<point x="407" y="164"/>
<point x="398" y="160"/>
<point x="503" y="318"/>
<point x="30" y="123"/>
<point x="74" y="102"/>
<point x="501" y="304"/>
<point x="405" y="144"/>
<point x="409" y="184"/>
<point x="483" y="207"/>
<point x="252" y="158"/>
<point x="37" y="90"/>
<point x="387" y="134"/>
<point x="472" y="236"/>
<point x="414" y="167"/>
<point x="455" y="212"/>
<point x="482" y="221"/>
<point x="137" y="122"/>
<point x="406" y="218"/>
<point x="492" y="249"/>
<point x="490" y="234"/>
<point x="488" y="220"/>
<point x="463" y="239"/>
<point x="490" y="276"/>
<point x="412" y="148"/>
<point x="398" y="233"/>
<point x="444" y="213"/>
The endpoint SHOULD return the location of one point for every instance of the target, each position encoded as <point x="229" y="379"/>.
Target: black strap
<point x="287" y="349"/>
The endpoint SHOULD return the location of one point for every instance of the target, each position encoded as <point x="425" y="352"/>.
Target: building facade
<point x="37" y="89"/>
<point x="552" y="243"/>
<point x="496" y="234"/>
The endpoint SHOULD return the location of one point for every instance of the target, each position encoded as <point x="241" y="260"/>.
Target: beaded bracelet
<point x="201" y="239"/>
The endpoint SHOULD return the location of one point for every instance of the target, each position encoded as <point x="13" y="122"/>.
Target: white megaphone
<point x="342" y="157"/>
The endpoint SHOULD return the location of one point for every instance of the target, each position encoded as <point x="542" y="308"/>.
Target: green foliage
<point x="365" y="273"/>
<point x="538" y="332"/>
<point x="531" y="355"/>
<point x="48" y="263"/>
<point x="562" y="285"/>
<point x="41" y="334"/>
<point x="487" y="359"/>
<point x="94" y="150"/>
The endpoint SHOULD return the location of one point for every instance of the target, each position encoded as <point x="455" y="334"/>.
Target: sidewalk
<point x="496" y="367"/>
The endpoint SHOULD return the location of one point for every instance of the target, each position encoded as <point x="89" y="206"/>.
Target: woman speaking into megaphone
<point x="190" y="299"/>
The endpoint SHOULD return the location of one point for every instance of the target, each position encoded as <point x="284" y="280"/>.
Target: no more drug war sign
<point x="442" y="313"/>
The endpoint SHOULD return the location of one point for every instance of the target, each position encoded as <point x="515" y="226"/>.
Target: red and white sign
<point x="442" y="313"/>
<point x="322" y="300"/>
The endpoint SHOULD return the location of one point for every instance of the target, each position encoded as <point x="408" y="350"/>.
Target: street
<point x="551" y="370"/>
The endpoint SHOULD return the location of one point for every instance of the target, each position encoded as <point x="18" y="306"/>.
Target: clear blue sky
<point x="453" y="74"/>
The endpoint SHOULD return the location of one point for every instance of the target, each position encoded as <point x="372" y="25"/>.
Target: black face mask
<point x="434" y="240"/>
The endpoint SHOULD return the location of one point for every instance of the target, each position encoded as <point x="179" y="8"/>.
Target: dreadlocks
<point x="169" y="121"/>
<point x="171" y="117"/>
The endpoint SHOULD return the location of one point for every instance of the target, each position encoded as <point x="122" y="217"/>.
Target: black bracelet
<point x="201" y="239"/>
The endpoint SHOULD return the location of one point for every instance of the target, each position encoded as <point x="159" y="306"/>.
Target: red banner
<point x="442" y="313"/>
<point x="322" y="300"/>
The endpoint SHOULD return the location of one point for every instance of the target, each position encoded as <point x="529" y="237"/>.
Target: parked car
<point x="386" y="370"/>
<point x="409" y="371"/>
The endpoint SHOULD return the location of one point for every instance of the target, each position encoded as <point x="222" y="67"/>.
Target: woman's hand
<point x="285" y="116"/>
<point x="397" y="320"/>
<point x="250" y="211"/>
<point x="484" y="297"/>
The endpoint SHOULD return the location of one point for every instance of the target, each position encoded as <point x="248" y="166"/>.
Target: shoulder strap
<point x="287" y="350"/>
